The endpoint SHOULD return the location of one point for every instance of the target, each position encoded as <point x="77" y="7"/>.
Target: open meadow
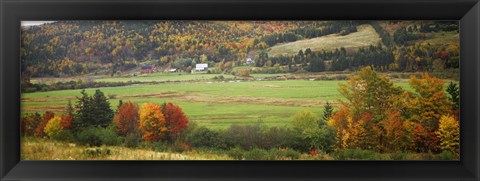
<point x="215" y="104"/>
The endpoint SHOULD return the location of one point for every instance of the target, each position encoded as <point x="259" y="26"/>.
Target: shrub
<point x="160" y="146"/>
<point x="247" y="136"/>
<point x="40" y="130"/>
<point x="275" y="137"/>
<point x="29" y="123"/>
<point x="64" y="135"/>
<point x="53" y="127"/>
<point x="356" y="154"/>
<point x="243" y="72"/>
<point x="179" y="147"/>
<point x="446" y="155"/>
<point x="283" y="154"/>
<point x="203" y="137"/>
<point x="292" y="154"/>
<point x="95" y="152"/>
<point x="132" y="140"/>
<point x="96" y="136"/>
<point x="88" y="136"/>
<point x="256" y="154"/>
<point x="399" y="156"/>
<point x="236" y="153"/>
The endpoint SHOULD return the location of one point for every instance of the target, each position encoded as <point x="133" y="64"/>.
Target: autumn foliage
<point x="66" y="121"/>
<point x="126" y="118"/>
<point x="29" y="123"/>
<point x="449" y="134"/>
<point x="382" y="117"/>
<point x="39" y="131"/>
<point x="53" y="126"/>
<point x="175" y="120"/>
<point x="152" y="123"/>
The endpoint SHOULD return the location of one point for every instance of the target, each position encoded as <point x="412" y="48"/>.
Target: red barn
<point x="146" y="69"/>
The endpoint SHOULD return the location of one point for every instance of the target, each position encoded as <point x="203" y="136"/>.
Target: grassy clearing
<point x="365" y="36"/>
<point x="42" y="149"/>
<point x="442" y="39"/>
<point x="153" y="77"/>
<point x="216" y="104"/>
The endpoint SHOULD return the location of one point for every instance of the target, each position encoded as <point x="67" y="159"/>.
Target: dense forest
<point x="68" y="48"/>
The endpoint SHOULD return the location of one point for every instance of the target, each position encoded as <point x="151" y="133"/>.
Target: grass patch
<point x="365" y="36"/>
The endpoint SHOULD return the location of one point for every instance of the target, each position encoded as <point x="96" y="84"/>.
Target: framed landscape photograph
<point x="251" y="90"/>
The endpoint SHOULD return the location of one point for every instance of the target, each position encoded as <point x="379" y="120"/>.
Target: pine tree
<point x="102" y="110"/>
<point x="83" y="115"/>
<point x="454" y="93"/>
<point x="69" y="108"/>
<point x="327" y="111"/>
<point x="92" y="111"/>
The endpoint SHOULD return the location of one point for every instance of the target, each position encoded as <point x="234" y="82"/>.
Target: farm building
<point x="250" y="61"/>
<point x="146" y="69"/>
<point x="201" y="67"/>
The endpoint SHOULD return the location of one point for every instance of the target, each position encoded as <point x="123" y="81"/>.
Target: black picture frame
<point x="13" y="11"/>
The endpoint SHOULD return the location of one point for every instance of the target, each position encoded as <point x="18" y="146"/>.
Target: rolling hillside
<point x="365" y="36"/>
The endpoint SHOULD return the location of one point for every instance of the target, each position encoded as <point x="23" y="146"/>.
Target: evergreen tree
<point x="454" y="93"/>
<point x="92" y="111"/>
<point x="103" y="112"/>
<point x="83" y="115"/>
<point x="327" y="111"/>
<point x="316" y="65"/>
<point x="69" y="108"/>
<point x="120" y="102"/>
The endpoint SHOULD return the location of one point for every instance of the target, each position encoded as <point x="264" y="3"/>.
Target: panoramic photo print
<point x="240" y="90"/>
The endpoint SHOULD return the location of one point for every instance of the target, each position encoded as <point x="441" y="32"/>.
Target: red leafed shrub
<point x="176" y="121"/>
<point x="66" y="121"/>
<point x="29" y="123"/>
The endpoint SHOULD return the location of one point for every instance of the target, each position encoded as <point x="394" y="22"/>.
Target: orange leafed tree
<point x="431" y="103"/>
<point x="39" y="131"/>
<point x="176" y="121"/>
<point x="340" y="122"/>
<point x="126" y="119"/>
<point x="432" y="100"/>
<point x="152" y="122"/>
<point x="394" y="132"/>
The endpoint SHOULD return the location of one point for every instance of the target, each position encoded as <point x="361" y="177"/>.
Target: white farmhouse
<point x="249" y="61"/>
<point x="201" y="67"/>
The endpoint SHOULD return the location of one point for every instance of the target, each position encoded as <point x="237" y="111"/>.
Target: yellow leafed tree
<point x="53" y="126"/>
<point x="449" y="134"/>
<point x="152" y="122"/>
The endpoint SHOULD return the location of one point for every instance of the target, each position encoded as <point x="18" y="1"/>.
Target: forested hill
<point x="77" y="47"/>
<point x="67" y="48"/>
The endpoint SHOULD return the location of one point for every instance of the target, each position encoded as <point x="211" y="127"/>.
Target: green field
<point x="213" y="104"/>
<point x="365" y="36"/>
